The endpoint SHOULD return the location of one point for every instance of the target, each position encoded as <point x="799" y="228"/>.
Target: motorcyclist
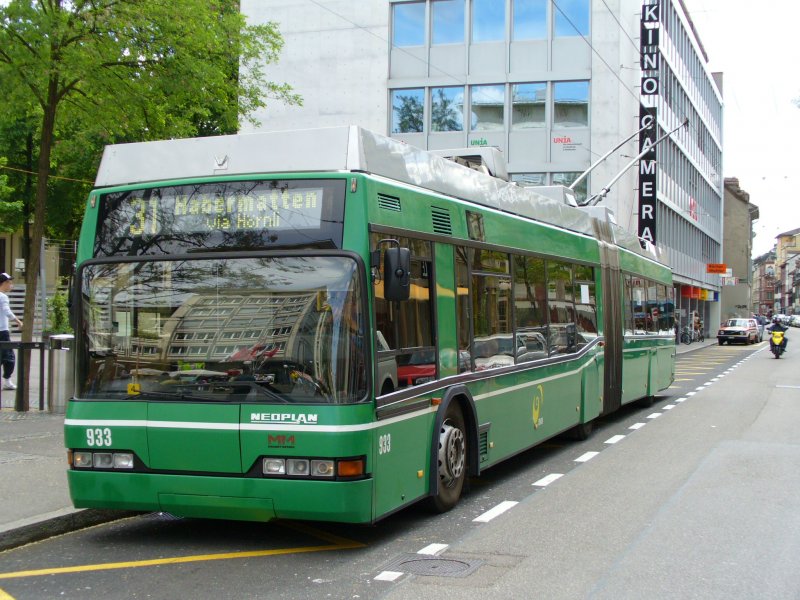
<point x="778" y="326"/>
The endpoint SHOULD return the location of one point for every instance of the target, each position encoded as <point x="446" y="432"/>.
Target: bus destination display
<point x="173" y="210"/>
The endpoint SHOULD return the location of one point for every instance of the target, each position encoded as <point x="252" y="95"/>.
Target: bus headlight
<point x="103" y="460"/>
<point x="123" y="460"/>
<point x="322" y="468"/>
<point x="82" y="460"/>
<point x="297" y="466"/>
<point x="313" y="468"/>
<point x="274" y="466"/>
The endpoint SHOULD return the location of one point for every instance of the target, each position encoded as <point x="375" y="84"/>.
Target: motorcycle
<point x="776" y="343"/>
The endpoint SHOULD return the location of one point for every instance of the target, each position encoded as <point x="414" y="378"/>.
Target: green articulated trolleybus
<point x="333" y="325"/>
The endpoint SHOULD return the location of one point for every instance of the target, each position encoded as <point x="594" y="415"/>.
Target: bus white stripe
<point x="244" y="426"/>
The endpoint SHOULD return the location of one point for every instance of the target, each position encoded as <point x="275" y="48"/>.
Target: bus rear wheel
<point x="451" y="459"/>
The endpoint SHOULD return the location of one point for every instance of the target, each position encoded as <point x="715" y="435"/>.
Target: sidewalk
<point x="33" y="464"/>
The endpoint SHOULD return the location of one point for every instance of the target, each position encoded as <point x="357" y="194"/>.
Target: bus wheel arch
<point x="454" y="449"/>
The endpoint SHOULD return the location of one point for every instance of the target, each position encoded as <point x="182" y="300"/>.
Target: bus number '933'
<point x="98" y="437"/>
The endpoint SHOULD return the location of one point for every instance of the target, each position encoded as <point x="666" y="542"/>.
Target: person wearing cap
<point x="6" y="356"/>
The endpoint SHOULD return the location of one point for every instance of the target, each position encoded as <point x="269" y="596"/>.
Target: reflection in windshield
<point x="285" y="329"/>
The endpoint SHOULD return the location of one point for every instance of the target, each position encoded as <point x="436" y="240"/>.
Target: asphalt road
<point x="694" y="497"/>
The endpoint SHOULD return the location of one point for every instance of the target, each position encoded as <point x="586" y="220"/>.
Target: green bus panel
<point x="194" y="437"/>
<point x="108" y="425"/>
<point x="402" y="460"/>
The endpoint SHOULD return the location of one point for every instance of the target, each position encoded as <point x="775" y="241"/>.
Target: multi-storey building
<point x="553" y="84"/>
<point x="764" y="284"/>
<point x="786" y="249"/>
<point x="739" y="214"/>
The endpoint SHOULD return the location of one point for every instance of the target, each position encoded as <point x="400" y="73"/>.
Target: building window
<point x="567" y="178"/>
<point x="407" y="110"/>
<point x="528" y="105"/>
<point x="529" y="179"/>
<point x="571" y="104"/>
<point x="447" y="109"/>
<point x="571" y="17"/>
<point x="408" y="24"/>
<point x="488" y="20"/>
<point x="448" y="22"/>
<point x="530" y="20"/>
<point x="488" y="107"/>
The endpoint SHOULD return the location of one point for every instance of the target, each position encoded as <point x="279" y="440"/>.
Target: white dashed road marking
<point x="497" y="510"/>
<point x="544" y="481"/>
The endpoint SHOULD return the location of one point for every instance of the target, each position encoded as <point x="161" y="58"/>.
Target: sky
<point x="754" y="45"/>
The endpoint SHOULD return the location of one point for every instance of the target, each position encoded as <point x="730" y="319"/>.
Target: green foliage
<point x="445" y="113"/>
<point x="10" y="210"/>
<point x="409" y="114"/>
<point x="58" y="313"/>
<point x="77" y="75"/>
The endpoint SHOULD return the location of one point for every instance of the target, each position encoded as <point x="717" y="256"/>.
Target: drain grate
<point x="417" y="564"/>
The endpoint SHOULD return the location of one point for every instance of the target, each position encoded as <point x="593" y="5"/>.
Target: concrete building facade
<point x="764" y="284"/>
<point x="787" y="249"/>
<point x="739" y="214"/>
<point x="553" y="84"/>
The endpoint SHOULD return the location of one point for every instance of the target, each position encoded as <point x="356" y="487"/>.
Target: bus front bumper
<point x="244" y="499"/>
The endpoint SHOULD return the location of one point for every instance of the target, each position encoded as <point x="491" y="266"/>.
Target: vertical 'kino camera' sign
<point x="648" y="115"/>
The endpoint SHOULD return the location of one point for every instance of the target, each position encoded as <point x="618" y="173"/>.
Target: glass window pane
<point x="488" y="20"/>
<point x="529" y="179"/>
<point x="561" y="308"/>
<point x="528" y="105"/>
<point x="447" y="109"/>
<point x="408" y="24"/>
<point x="407" y="110"/>
<point x="462" y="309"/>
<point x="494" y="345"/>
<point x="530" y="19"/>
<point x="571" y="17"/>
<point x="448" y="21"/>
<point x="571" y="104"/>
<point x="530" y="305"/>
<point x="567" y="178"/>
<point x="488" y="107"/>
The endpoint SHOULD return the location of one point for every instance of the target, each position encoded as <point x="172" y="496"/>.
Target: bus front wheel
<point x="451" y="459"/>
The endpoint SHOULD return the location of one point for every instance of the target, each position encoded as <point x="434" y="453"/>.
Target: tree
<point x="101" y="71"/>
<point x="409" y="114"/>
<point x="445" y="113"/>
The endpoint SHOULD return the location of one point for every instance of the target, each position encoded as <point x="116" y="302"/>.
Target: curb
<point x="15" y="537"/>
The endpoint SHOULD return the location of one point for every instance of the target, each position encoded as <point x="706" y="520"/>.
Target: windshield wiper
<point x="260" y="388"/>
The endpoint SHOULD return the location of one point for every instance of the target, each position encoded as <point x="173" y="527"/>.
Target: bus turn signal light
<point x="350" y="468"/>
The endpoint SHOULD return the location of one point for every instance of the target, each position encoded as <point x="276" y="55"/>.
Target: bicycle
<point x="689" y="335"/>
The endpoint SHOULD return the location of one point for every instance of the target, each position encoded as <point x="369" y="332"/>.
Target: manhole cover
<point x="434" y="566"/>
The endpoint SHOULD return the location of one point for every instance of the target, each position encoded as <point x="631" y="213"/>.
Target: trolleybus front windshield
<point x="285" y="329"/>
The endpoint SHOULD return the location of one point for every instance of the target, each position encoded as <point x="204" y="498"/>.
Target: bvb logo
<point x="538" y="400"/>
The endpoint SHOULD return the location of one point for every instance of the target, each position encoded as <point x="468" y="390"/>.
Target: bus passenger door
<point x="612" y="328"/>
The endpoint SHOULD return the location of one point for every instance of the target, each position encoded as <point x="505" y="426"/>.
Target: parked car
<point x="416" y="368"/>
<point x="762" y="322"/>
<point x="738" y="330"/>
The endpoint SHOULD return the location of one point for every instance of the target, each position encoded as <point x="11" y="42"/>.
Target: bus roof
<point x="338" y="149"/>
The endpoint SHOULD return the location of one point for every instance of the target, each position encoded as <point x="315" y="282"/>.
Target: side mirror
<point x="396" y="273"/>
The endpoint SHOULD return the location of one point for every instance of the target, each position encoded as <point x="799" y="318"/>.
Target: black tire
<point x="451" y="464"/>
<point x="582" y="431"/>
<point x="646" y="402"/>
<point x="685" y="338"/>
<point x="721" y="342"/>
